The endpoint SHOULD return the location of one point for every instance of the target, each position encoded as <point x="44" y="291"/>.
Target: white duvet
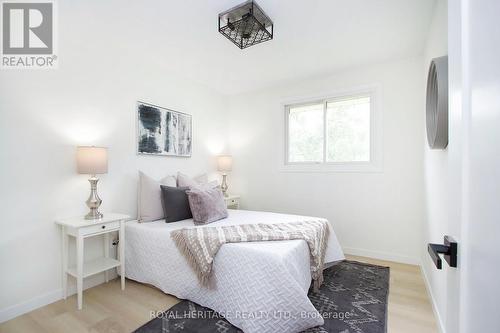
<point x="259" y="286"/>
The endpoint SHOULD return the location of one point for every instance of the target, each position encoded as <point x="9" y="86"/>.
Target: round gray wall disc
<point x="437" y="103"/>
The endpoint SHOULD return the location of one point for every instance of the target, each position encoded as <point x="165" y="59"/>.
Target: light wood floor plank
<point x="108" y="309"/>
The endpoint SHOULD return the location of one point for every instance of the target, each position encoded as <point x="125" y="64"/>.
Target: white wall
<point x="442" y="169"/>
<point x="374" y="214"/>
<point x="90" y="99"/>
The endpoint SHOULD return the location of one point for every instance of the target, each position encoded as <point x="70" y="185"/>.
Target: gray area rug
<point x="353" y="298"/>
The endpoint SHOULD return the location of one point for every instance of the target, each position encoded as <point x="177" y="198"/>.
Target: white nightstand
<point x="80" y="228"/>
<point x="232" y="201"/>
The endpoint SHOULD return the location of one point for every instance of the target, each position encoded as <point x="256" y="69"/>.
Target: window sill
<point x="353" y="167"/>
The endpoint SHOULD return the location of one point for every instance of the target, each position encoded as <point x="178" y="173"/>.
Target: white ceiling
<point x="312" y="37"/>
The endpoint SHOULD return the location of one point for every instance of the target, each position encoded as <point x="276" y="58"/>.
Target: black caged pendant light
<point x="246" y="25"/>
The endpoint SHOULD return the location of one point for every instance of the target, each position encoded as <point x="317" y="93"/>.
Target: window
<point x="333" y="131"/>
<point x="306" y="137"/>
<point x="348" y="130"/>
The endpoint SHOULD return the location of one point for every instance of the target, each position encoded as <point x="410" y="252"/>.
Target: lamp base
<point x="93" y="202"/>
<point x="224" y="186"/>
<point x="94" y="214"/>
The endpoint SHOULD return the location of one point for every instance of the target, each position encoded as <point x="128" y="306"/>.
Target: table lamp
<point x="92" y="160"/>
<point x="224" y="165"/>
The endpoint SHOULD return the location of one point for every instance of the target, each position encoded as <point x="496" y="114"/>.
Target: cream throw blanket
<point x="200" y="245"/>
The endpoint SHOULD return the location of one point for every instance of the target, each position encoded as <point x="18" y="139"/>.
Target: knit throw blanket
<point x="200" y="245"/>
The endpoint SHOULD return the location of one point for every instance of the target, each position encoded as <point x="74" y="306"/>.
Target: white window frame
<point x="375" y="162"/>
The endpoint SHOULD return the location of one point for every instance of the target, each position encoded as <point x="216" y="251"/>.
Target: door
<point x="480" y="241"/>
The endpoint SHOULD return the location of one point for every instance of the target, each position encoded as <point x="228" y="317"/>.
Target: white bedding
<point x="259" y="286"/>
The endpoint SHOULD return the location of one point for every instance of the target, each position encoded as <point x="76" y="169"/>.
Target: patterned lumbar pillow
<point x="207" y="204"/>
<point x="175" y="203"/>
<point x="149" y="201"/>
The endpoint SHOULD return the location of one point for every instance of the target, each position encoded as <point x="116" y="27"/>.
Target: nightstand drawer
<point x="231" y="202"/>
<point x="99" y="228"/>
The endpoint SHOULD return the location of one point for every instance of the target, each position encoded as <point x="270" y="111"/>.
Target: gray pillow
<point x="175" y="203"/>
<point x="207" y="205"/>
<point x="149" y="205"/>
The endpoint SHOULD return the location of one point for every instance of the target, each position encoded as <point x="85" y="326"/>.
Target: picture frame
<point x="162" y="131"/>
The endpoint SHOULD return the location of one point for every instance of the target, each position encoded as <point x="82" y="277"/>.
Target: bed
<point x="257" y="286"/>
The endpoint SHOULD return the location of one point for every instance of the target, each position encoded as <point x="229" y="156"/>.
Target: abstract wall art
<point x="162" y="131"/>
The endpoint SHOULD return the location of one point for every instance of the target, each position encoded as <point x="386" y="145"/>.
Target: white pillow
<point x="201" y="179"/>
<point x="198" y="182"/>
<point x="149" y="205"/>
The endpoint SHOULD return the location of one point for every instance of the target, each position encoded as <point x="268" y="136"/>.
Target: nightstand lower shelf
<point x="95" y="266"/>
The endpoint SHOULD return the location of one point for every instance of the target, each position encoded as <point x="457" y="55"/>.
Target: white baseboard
<point x="47" y="298"/>
<point x="381" y="255"/>
<point x="433" y="301"/>
<point x="30" y="305"/>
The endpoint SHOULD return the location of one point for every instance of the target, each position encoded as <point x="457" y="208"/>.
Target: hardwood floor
<point x="410" y="309"/>
<point x="108" y="309"/>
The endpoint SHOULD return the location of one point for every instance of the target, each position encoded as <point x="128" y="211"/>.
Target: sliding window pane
<point x="348" y="130"/>
<point x="305" y="133"/>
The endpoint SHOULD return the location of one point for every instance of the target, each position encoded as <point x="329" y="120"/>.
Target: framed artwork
<point x="161" y="131"/>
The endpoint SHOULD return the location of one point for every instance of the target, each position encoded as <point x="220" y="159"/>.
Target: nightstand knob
<point x="104" y="227"/>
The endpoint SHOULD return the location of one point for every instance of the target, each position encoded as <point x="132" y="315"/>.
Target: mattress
<point x="257" y="286"/>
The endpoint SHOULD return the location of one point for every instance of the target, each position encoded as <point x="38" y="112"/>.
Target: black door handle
<point x="449" y="249"/>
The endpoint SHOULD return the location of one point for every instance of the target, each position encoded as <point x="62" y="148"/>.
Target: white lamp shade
<point x="224" y="163"/>
<point x="91" y="160"/>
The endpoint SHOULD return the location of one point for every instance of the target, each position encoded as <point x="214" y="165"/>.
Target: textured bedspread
<point x="200" y="245"/>
<point x="260" y="286"/>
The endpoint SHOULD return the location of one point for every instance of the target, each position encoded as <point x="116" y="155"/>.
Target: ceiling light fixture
<point x="246" y="25"/>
